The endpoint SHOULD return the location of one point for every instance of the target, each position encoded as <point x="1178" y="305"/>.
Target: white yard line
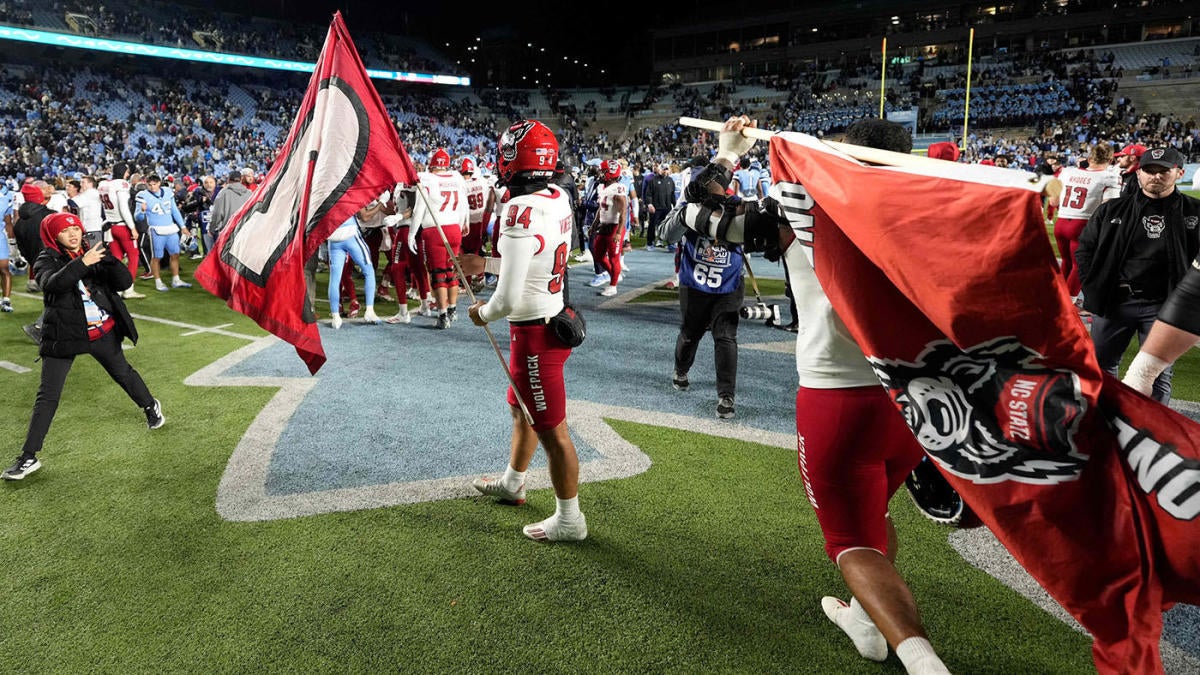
<point x="192" y="329"/>
<point x="8" y="365"/>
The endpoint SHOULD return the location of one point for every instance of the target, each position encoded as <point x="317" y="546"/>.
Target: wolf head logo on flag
<point x="990" y="413"/>
<point x="341" y="153"/>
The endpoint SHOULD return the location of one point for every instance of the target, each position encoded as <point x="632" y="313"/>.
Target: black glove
<point x="762" y="222"/>
<point x="698" y="191"/>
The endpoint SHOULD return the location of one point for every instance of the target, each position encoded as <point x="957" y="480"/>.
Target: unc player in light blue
<point x="156" y="206"/>
<point x="746" y="181"/>
<point x="347" y="242"/>
<point x="6" y="209"/>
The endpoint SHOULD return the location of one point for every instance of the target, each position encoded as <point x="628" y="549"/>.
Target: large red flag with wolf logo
<point x="944" y="275"/>
<point x="341" y="153"/>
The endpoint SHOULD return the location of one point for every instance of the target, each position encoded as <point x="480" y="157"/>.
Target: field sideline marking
<point x="242" y="494"/>
<point x="192" y="328"/>
<point x="8" y="365"/>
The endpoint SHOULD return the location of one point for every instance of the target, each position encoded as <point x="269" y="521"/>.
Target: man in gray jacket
<point x="228" y="200"/>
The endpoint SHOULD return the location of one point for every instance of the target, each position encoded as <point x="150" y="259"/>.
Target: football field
<point x="281" y="522"/>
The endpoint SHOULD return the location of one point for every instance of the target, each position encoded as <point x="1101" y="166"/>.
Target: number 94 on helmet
<point x="527" y="149"/>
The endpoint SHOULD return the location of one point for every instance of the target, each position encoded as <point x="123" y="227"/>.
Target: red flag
<point x="341" y="153"/>
<point x="945" y="277"/>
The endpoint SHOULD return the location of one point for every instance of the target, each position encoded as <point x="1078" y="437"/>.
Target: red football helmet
<point x="526" y="147"/>
<point x="440" y="159"/>
<point x="610" y="169"/>
<point x="467" y="166"/>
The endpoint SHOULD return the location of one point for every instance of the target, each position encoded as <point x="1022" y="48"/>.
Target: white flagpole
<point x="1051" y="189"/>
<point x="471" y="294"/>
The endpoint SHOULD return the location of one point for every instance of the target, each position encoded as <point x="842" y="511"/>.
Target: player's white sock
<point x="858" y="626"/>
<point x="567" y="509"/>
<point x="512" y="479"/>
<point x="918" y="657"/>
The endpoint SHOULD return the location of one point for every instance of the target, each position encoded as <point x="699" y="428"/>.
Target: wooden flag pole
<point x="1051" y="189"/>
<point x="471" y="294"/>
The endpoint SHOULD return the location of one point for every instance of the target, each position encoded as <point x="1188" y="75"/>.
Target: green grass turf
<point x="115" y="559"/>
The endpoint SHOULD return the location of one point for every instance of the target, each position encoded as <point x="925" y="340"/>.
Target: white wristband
<point x="1142" y="372"/>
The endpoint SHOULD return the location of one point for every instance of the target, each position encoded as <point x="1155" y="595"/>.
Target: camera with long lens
<point x="761" y="312"/>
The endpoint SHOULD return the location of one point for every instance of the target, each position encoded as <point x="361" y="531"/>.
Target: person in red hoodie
<point x="84" y="315"/>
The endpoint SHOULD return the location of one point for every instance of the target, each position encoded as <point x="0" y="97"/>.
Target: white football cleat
<point x="400" y="317"/>
<point x="369" y="316"/>
<point x="855" y="623"/>
<point x="609" y="291"/>
<point x="335" y="321"/>
<point x="554" y="529"/>
<point x="493" y="487"/>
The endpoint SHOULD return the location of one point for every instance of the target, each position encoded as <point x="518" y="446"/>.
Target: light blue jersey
<point x="747" y="180"/>
<point x="158" y="210"/>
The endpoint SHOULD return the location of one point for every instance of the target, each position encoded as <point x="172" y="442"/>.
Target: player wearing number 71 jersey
<point x="447" y="206"/>
<point x="535" y="236"/>
<point x="1083" y="192"/>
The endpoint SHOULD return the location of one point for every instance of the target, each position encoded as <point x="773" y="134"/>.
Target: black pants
<point x="145" y="246"/>
<point x="1112" y="334"/>
<point x="702" y="311"/>
<point x="652" y="224"/>
<point x="106" y="350"/>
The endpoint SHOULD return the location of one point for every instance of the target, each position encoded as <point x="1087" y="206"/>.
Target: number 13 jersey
<point x="1084" y="190"/>
<point x="535" y="238"/>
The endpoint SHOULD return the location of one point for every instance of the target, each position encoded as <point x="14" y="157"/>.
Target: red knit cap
<point x="54" y="224"/>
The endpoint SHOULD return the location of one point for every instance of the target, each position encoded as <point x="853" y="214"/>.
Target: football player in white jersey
<point x="610" y="224"/>
<point x="535" y="240"/>
<point x="447" y="193"/>
<point x="1083" y="192"/>
<point x="854" y="448"/>
<point x="479" y="203"/>
<point x="118" y="222"/>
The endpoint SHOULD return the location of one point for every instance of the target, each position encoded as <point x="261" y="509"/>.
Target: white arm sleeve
<point x="123" y="209"/>
<point x="516" y="254"/>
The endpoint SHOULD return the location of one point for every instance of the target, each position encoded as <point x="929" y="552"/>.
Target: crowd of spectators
<point x="57" y="121"/>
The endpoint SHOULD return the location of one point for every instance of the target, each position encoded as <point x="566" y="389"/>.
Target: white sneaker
<point x="400" y="317"/>
<point x="335" y="321"/>
<point x="586" y="256"/>
<point x="369" y="316"/>
<point x="553" y="529"/>
<point x="180" y="283"/>
<point x="131" y="292"/>
<point x="429" y="308"/>
<point x="599" y="280"/>
<point x="492" y="487"/>
<point x="160" y="286"/>
<point x="621" y="277"/>
<point x="867" y="639"/>
<point x="609" y="291"/>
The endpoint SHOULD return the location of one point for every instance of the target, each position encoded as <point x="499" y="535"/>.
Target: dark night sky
<point x="622" y="45"/>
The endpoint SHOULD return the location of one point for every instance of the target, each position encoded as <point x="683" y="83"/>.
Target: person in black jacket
<point x="84" y="315"/>
<point x="1132" y="254"/>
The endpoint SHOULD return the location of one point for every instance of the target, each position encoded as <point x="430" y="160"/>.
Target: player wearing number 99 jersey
<point x="535" y="236"/>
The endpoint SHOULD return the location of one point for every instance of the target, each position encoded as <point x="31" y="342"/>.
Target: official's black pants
<point x="702" y="311"/>
<point x="106" y="350"/>
<point x="1112" y="334"/>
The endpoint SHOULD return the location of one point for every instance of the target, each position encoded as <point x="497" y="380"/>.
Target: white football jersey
<point x="91" y="211"/>
<point x="477" y="194"/>
<point x="114" y="197"/>
<point x="1084" y="190"/>
<point x="448" y="198"/>
<point x="532" y="277"/>
<point x="610" y="213"/>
